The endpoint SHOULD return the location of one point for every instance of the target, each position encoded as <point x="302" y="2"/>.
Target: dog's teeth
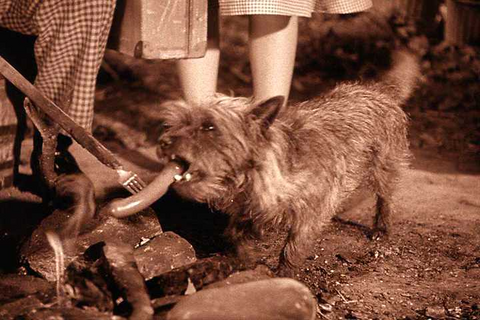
<point x="178" y="177"/>
<point x="173" y="157"/>
<point x="188" y="176"/>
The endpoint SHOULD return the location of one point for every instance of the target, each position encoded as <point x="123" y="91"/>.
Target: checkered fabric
<point x="302" y="8"/>
<point x="72" y="36"/>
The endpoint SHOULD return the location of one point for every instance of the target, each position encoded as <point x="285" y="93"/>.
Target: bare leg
<point x="198" y="77"/>
<point x="272" y="44"/>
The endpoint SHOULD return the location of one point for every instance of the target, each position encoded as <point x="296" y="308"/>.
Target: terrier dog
<point x="265" y="164"/>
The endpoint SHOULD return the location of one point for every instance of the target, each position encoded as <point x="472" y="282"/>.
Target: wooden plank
<point x="154" y="29"/>
<point x="8" y="127"/>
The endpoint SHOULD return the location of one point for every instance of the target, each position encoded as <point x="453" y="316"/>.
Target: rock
<point x="273" y="299"/>
<point x="132" y="230"/>
<point x="436" y="312"/>
<point x="68" y="313"/>
<point x="13" y="310"/>
<point x="190" y="278"/>
<point x="162" y="254"/>
<point x="34" y="308"/>
<point x="14" y="286"/>
<point x="261" y="272"/>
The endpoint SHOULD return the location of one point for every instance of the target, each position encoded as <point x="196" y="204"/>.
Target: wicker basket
<point x="463" y="22"/>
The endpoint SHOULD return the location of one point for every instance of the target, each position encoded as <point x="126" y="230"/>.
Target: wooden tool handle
<point x="84" y="138"/>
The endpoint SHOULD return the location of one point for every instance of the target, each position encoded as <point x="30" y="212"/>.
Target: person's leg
<point x="71" y="41"/>
<point x="69" y="52"/>
<point x="198" y="77"/>
<point x="272" y="48"/>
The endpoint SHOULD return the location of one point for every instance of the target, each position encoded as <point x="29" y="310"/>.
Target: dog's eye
<point x="207" y="126"/>
<point x="165" y="126"/>
<point x="161" y="129"/>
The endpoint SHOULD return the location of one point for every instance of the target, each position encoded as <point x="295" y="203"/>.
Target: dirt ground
<point x="429" y="265"/>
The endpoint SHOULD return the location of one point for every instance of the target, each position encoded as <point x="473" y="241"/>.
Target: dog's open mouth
<point x="187" y="175"/>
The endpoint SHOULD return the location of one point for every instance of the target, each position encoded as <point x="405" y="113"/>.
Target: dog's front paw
<point x="284" y="271"/>
<point x="241" y="256"/>
<point x="378" y="234"/>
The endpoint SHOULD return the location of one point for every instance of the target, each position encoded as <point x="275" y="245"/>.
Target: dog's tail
<point x="403" y="75"/>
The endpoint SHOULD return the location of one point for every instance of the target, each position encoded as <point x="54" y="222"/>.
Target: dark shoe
<point x="64" y="160"/>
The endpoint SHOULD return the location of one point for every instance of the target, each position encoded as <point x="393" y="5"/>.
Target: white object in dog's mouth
<point x="183" y="177"/>
<point x="186" y="176"/>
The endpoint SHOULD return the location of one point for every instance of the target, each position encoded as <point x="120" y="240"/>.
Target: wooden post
<point x="463" y="22"/>
<point x="8" y="127"/>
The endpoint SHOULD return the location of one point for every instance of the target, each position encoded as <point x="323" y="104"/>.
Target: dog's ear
<point x="266" y="111"/>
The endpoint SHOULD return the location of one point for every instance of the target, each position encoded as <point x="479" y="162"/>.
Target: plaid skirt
<point x="72" y="36"/>
<point x="302" y="8"/>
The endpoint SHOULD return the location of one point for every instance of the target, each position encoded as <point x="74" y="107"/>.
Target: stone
<point x="68" y="313"/>
<point x="261" y="272"/>
<point x="132" y="230"/>
<point x="12" y="310"/>
<point x="14" y="286"/>
<point x="272" y="299"/>
<point x="191" y="277"/>
<point x="436" y="312"/>
<point x="163" y="253"/>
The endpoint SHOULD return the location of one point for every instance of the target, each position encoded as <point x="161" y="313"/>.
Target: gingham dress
<point x="72" y="35"/>
<point x="301" y="8"/>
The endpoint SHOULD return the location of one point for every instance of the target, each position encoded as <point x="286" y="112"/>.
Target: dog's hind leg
<point x="385" y="177"/>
